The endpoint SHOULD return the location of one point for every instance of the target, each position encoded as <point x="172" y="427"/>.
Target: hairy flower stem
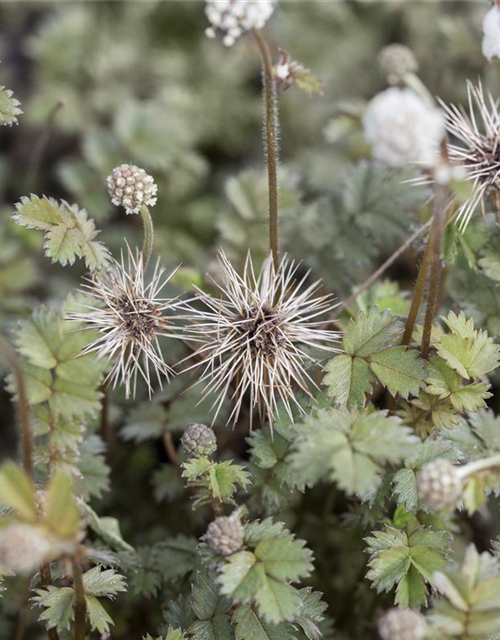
<point x="80" y="602"/>
<point x="8" y="352"/>
<point x="479" y="465"/>
<point x="168" y="441"/>
<point x="149" y="234"/>
<point x="418" y="295"/>
<point x="435" y="245"/>
<point x="271" y="141"/>
<point x="46" y="579"/>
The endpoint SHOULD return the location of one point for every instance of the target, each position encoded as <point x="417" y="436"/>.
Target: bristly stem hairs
<point x="271" y="140"/>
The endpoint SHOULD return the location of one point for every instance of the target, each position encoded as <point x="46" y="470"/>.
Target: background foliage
<point x="106" y="82"/>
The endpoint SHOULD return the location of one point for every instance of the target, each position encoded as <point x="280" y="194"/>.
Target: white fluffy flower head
<point x="232" y="18"/>
<point x="402" y="624"/>
<point x="254" y="336"/>
<point x="402" y="128"/>
<point x="23" y="548"/>
<point x="129" y="315"/>
<point x="491" y="33"/>
<point x="477" y="153"/>
<point x="131" y="187"/>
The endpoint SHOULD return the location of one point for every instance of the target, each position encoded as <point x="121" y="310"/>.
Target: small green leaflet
<point x="69" y="232"/>
<point x="407" y="561"/>
<point x="470" y="602"/>
<point x="470" y="352"/>
<point x="350" y="448"/>
<point x="58" y="602"/>
<point x="372" y="354"/>
<point x="9" y="107"/>
<point x="55" y="371"/>
<point x="263" y="575"/>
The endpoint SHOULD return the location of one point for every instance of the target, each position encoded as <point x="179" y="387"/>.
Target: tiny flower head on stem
<point x="232" y="18"/>
<point x="131" y="187"/>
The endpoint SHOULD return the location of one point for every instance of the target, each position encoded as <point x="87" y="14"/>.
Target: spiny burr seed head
<point x="396" y="61"/>
<point x="439" y="485"/>
<point x="131" y="187"/>
<point x="23" y="548"/>
<point x="225" y="536"/>
<point x="199" y="441"/>
<point x="401" y="624"/>
<point x="233" y="17"/>
<point x="255" y="334"/>
<point x="130" y="316"/>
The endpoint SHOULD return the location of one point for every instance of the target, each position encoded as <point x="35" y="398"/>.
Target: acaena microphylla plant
<point x="131" y="317"/>
<point x="239" y="457"/>
<point x="256" y="336"/>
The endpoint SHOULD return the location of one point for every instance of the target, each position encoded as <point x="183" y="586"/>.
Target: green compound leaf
<point x="249" y="625"/>
<point x="58" y="602"/>
<point x="263" y="576"/>
<point x="470" y="602"/>
<point x="445" y="383"/>
<point x="311" y="613"/>
<point x="400" y="370"/>
<point x="350" y="448"/>
<point x="372" y="354"/>
<point x="17" y="492"/>
<point x="211" y="609"/>
<point x="349" y="380"/>
<point x="470" y="352"/>
<point x="69" y="233"/>
<point x="283" y="557"/>
<point x="372" y="332"/>
<point x="407" y="561"/>
<point x="9" y="107"/>
<point x="277" y="601"/>
<point x="216" y="480"/>
<point x="55" y="371"/>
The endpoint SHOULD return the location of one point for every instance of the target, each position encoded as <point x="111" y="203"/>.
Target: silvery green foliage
<point x="335" y="530"/>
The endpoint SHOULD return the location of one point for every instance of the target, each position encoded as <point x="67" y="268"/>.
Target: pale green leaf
<point x="348" y="379"/>
<point x="401" y="370"/>
<point x="61" y="512"/>
<point x="250" y="626"/>
<point x="9" y="107"/>
<point x="17" y="492"/>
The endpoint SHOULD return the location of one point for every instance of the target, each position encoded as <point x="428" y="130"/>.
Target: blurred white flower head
<point x="23" y="548"/>
<point x="130" y="187"/>
<point x="478" y="151"/>
<point x="491" y="33"/>
<point x="232" y="18"/>
<point x="402" y="128"/>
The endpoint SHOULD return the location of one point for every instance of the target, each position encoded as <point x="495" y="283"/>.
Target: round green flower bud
<point x="439" y="485"/>
<point x="225" y="535"/>
<point x="199" y="441"/>
<point x="396" y="61"/>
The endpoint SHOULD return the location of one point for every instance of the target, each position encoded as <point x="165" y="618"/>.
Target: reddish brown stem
<point x="271" y="140"/>
<point x="80" y="602"/>
<point x="435" y="246"/>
